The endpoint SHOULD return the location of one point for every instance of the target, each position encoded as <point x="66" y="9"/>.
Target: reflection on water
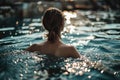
<point x="35" y="66"/>
<point x="97" y="40"/>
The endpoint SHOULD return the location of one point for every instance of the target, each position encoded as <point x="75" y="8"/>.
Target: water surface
<point x="99" y="43"/>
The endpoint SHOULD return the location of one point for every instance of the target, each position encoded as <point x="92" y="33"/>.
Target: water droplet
<point x="17" y="60"/>
<point x="65" y="73"/>
<point x="25" y="71"/>
<point x="102" y="71"/>
<point x="28" y="57"/>
<point x="88" y="70"/>
<point x="71" y="70"/>
<point x="85" y="69"/>
<point x="84" y="64"/>
<point x="21" y="60"/>
<point x="11" y="36"/>
<point x="81" y="73"/>
<point x="14" y="61"/>
<point x="21" y="75"/>
<point x="63" y="68"/>
<point x="3" y="32"/>
<point x="16" y="33"/>
<point x="17" y="22"/>
<point x="35" y="72"/>
<point x="89" y="77"/>
<point x="115" y="73"/>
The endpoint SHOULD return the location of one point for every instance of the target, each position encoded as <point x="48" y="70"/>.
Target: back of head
<point x="53" y="22"/>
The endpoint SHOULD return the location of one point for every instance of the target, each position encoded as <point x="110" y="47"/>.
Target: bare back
<point x="57" y="49"/>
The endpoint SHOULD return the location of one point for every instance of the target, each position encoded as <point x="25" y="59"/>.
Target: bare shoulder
<point x="32" y="48"/>
<point x="73" y="52"/>
<point x="69" y="51"/>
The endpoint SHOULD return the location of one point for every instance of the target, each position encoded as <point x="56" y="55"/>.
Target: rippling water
<point x="100" y="43"/>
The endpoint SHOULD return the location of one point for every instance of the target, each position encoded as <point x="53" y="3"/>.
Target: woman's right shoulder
<point x="71" y="50"/>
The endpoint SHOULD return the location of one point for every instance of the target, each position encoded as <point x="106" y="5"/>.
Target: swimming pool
<point x="99" y="42"/>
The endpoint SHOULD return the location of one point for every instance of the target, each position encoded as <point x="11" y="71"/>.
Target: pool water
<point x="99" y="43"/>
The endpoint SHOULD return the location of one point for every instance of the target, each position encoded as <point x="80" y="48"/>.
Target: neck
<point x="53" y="37"/>
<point x="57" y="40"/>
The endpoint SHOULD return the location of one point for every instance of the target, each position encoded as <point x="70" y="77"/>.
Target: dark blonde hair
<point x="53" y="22"/>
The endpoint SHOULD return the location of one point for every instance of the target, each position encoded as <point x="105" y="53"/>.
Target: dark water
<point x="99" y="42"/>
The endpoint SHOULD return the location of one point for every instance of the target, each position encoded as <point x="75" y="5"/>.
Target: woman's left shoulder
<point x="32" y="48"/>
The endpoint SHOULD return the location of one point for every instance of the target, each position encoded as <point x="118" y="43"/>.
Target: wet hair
<point x="53" y="22"/>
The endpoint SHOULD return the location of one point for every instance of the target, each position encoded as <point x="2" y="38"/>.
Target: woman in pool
<point x="53" y="22"/>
